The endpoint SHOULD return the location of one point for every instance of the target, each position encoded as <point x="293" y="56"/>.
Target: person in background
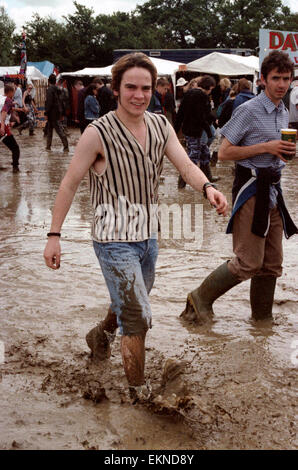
<point x="244" y="93"/>
<point x="53" y="111"/>
<point x="105" y="98"/>
<point x="227" y="108"/>
<point x="170" y="105"/>
<point x="30" y="110"/>
<point x="260" y="86"/>
<point x="91" y="105"/>
<point x="156" y="103"/>
<point x="225" y="88"/>
<point x="6" y="137"/>
<point x="64" y="98"/>
<point x="293" y="116"/>
<point x="194" y="116"/>
<point x="75" y="93"/>
<point x="18" y="116"/>
<point x="81" y="103"/>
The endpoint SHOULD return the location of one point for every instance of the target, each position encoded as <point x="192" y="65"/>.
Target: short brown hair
<point x="128" y="61"/>
<point x="243" y="84"/>
<point x="277" y="60"/>
<point x="8" y="87"/>
<point x="206" y="82"/>
<point x="162" y="82"/>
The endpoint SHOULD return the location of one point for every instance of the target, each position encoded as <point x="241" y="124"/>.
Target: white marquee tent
<point x="32" y="72"/>
<point x="164" y="67"/>
<point x="225" y="64"/>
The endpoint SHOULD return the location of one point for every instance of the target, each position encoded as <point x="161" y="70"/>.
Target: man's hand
<point x="52" y="253"/>
<point x="278" y="147"/>
<point x="2" y="129"/>
<point x="217" y="200"/>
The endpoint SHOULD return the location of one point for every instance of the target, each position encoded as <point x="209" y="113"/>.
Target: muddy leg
<point x="133" y="357"/>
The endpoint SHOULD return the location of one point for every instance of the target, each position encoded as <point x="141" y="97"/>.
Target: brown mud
<point x="228" y="385"/>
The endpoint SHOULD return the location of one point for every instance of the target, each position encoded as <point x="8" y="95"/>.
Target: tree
<point x="242" y="19"/>
<point x="45" y="40"/>
<point x="7" y="27"/>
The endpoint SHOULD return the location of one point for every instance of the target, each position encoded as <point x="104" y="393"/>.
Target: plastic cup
<point x="290" y="136"/>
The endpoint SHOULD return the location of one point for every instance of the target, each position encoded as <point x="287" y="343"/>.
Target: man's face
<point x="135" y="91"/>
<point x="276" y="84"/>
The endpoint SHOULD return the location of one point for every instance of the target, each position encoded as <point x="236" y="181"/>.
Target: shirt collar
<point x="269" y="105"/>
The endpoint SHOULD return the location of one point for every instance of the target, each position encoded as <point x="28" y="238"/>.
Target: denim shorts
<point x="129" y="271"/>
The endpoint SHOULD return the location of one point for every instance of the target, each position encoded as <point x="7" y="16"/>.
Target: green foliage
<point x="7" y="27"/>
<point x="84" y="39"/>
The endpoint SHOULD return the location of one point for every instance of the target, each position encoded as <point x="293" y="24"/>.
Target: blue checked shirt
<point x="256" y="121"/>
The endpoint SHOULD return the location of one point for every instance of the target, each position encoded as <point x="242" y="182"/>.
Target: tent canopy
<point x="45" y="67"/>
<point x="225" y="64"/>
<point x="164" y="67"/>
<point x="32" y="73"/>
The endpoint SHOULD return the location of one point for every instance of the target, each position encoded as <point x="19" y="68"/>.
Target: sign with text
<point x="286" y="41"/>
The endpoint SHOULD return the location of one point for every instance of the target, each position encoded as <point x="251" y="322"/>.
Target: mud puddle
<point x="229" y="385"/>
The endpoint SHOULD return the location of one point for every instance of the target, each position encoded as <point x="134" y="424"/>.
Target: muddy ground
<point x="232" y="385"/>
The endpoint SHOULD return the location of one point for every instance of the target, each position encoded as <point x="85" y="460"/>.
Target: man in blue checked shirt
<point x="252" y="138"/>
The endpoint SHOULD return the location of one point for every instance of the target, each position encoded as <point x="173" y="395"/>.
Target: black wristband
<point x="205" y="186"/>
<point x="53" y="234"/>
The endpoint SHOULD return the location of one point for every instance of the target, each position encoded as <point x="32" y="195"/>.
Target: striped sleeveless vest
<point x="125" y="197"/>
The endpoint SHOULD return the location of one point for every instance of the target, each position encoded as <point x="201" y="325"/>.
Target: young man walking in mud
<point x="123" y="152"/>
<point x="252" y="138"/>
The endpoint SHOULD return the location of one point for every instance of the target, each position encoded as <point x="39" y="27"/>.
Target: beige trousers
<point x="255" y="255"/>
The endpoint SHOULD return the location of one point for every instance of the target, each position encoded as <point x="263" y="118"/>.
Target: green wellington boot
<point x="199" y="302"/>
<point x="262" y="290"/>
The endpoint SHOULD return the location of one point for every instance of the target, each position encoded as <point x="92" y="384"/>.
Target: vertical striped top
<point x="124" y="197"/>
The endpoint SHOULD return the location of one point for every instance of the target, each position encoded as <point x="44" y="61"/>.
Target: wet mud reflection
<point x="231" y="384"/>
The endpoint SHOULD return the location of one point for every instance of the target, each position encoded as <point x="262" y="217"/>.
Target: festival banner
<point x="286" y="41"/>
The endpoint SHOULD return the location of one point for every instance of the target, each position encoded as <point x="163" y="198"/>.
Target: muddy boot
<point x="100" y="337"/>
<point x="206" y="169"/>
<point x="141" y="393"/>
<point x="181" y="182"/>
<point x="262" y="290"/>
<point x="199" y="302"/>
<point x="99" y="341"/>
<point x="214" y="159"/>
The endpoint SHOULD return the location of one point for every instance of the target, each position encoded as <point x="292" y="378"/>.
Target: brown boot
<point x="100" y="338"/>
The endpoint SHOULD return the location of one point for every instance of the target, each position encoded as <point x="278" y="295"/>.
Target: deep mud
<point x="229" y="385"/>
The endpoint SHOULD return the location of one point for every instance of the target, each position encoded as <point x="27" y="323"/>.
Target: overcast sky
<point x="21" y="11"/>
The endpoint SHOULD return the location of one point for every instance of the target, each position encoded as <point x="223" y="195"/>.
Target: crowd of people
<point x="125" y="135"/>
<point x="123" y="152"/>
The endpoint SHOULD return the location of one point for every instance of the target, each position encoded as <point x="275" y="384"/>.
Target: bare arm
<point x="191" y="173"/>
<point x="228" y="151"/>
<point x="87" y="149"/>
<point x="3" y="117"/>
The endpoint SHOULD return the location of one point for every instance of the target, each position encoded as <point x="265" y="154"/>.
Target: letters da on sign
<point x="282" y="40"/>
